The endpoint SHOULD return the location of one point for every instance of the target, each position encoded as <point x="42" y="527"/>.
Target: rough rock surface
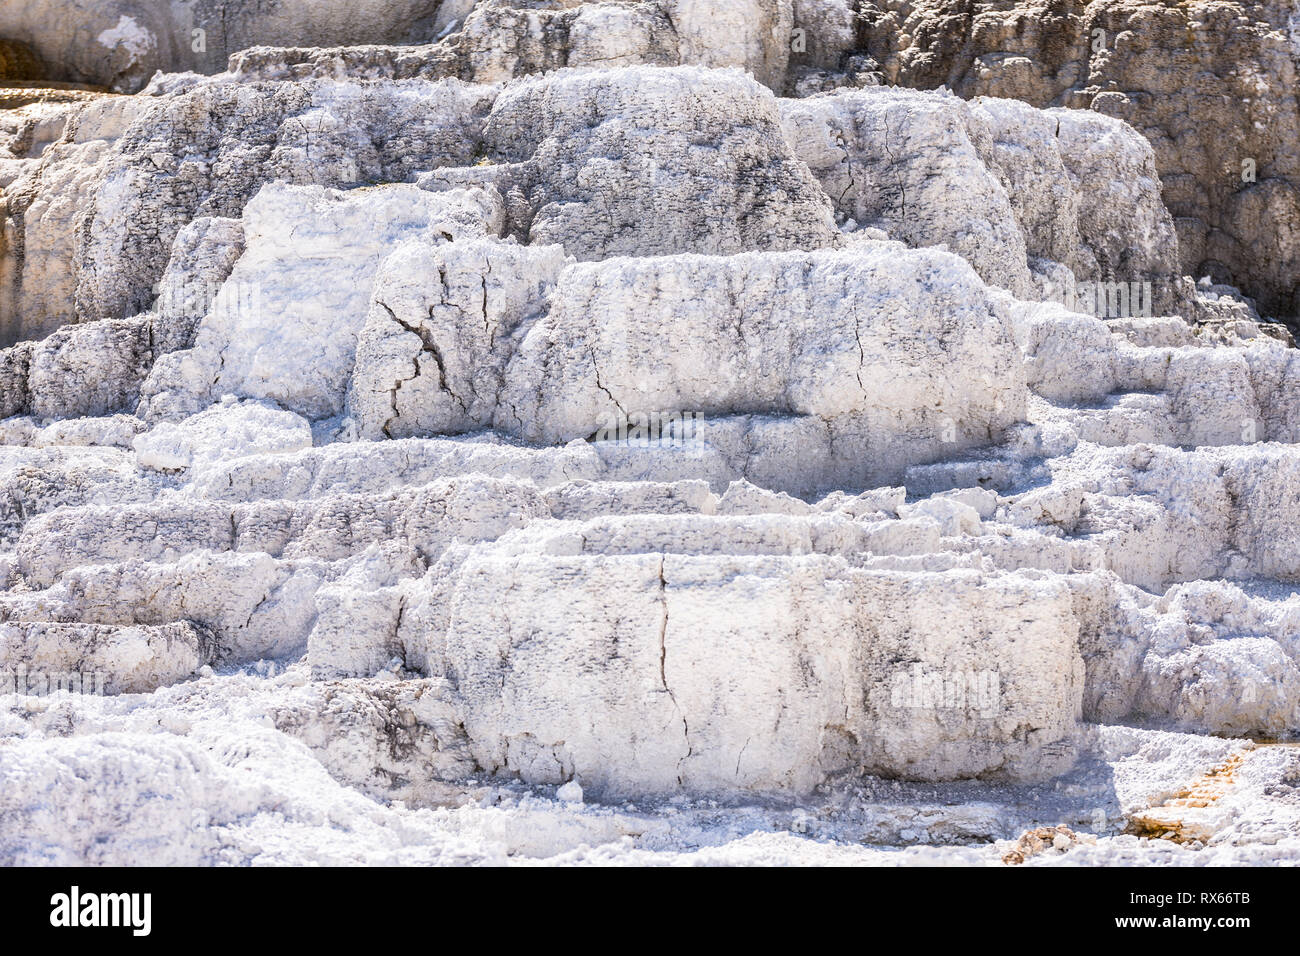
<point x="121" y="43"/>
<point x="1211" y="85"/>
<point x="874" y="378"/>
<point x="551" y="439"/>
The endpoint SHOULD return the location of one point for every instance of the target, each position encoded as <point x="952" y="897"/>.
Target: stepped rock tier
<point x="757" y="431"/>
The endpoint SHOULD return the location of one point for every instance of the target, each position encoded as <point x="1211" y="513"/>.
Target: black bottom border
<point x="966" y="905"/>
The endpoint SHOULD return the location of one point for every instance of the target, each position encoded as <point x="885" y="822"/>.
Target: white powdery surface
<point x="219" y="433"/>
<point x="266" y="767"/>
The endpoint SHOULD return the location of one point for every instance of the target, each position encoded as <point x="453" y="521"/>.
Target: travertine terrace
<point x="639" y="432"/>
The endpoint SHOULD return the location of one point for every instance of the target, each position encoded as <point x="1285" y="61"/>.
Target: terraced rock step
<point x="49" y="657"/>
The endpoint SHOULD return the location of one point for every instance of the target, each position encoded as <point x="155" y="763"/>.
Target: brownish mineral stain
<point x="1176" y="819"/>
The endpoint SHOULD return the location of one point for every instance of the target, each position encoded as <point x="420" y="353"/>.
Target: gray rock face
<point x="687" y="700"/>
<point x="121" y="43"/>
<point x="495" y="40"/>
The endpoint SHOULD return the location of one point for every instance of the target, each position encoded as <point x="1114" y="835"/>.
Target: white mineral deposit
<point x="648" y="431"/>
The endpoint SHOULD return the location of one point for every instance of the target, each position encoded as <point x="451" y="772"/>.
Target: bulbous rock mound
<point x="625" y="425"/>
<point x="1211" y="85"/>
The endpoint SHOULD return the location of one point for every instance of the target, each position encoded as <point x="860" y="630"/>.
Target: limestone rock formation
<point x="1210" y="84"/>
<point x="597" y="431"/>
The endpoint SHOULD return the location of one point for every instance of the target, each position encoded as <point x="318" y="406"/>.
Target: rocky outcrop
<point x="1019" y="193"/>
<point x="1122" y="58"/>
<point x="122" y="43"/>
<point x="799" y="683"/>
<point x="1210" y="85"/>
<point x="108" y="185"/>
<point x="719" y="336"/>
<point x="551" y="436"/>
<point x="601" y="188"/>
